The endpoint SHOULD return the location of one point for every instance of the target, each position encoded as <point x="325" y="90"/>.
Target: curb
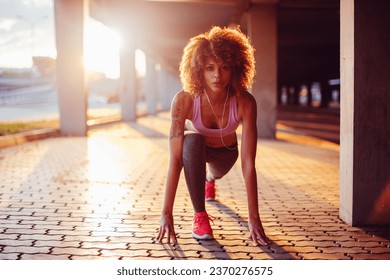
<point x="24" y="137"/>
<point x="42" y="133"/>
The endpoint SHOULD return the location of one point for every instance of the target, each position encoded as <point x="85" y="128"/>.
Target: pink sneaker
<point x="201" y="228"/>
<point x="210" y="191"/>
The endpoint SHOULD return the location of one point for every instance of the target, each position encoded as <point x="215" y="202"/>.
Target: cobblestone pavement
<point x="100" y="197"/>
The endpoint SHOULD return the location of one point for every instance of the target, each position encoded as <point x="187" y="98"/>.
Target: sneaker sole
<point x="209" y="198"/>
<point x="202" y="237"/>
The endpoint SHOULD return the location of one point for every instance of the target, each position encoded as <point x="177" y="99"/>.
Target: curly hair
<point x="228" y="45"/>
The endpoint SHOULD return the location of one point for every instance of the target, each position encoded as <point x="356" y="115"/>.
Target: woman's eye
<point x="226" y="68"/>
<point x="209" y="68"/>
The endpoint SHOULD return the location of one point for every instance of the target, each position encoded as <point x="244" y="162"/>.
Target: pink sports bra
<point x="196" y="123"/>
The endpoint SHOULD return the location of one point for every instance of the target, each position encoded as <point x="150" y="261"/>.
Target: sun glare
<point x="102" y="47"/>
<point x="140" y="63"/>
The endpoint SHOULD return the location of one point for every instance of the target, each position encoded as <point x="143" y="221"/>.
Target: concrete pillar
<point x="70" y="16"/>
<point x="175" y="84"/>
<point x="165" y="89"/>
<point x="151" y="87"/>
<point x="365" y="107"/>
<point x="128" y="80"/>
<point x="263" y="34"/>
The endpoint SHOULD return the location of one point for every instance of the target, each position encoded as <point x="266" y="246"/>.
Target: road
<point x="22" y="101"/>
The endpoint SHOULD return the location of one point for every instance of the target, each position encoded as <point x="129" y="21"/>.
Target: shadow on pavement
<point x="273" y="250"/>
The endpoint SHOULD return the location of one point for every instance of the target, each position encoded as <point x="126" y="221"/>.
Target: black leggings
<point x="195" y="156"/>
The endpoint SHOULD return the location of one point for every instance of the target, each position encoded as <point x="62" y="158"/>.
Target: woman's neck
<point x="216" y="96"/>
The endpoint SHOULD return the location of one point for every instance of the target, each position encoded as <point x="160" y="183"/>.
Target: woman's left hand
<point x="257" y="233"/>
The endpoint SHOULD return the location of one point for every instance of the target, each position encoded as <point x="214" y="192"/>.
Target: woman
<point x="216" y="70"/>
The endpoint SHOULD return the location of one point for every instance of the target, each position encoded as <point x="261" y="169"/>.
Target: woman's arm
<point x="248" y="156"/>
<point x="176" y="136"/>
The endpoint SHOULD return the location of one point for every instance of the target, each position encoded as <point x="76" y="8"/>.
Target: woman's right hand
<point x="167" y="227"/>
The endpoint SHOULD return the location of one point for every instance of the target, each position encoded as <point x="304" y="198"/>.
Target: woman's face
<point x="216" y="75"/>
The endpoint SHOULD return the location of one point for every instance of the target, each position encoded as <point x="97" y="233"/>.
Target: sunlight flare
<point x="102" y="46"/>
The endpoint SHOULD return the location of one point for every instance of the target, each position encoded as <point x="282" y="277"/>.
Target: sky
<point x="27" y="29"/>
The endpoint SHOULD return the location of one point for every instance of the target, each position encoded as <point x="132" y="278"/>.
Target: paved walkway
<point x="100" y="198"/>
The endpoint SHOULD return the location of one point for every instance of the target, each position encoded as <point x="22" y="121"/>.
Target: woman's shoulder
<point x="183" y="100"/>
<point x="185" y="96"/>
<point x="245" y="98"/>
<point x="246" y="104"/>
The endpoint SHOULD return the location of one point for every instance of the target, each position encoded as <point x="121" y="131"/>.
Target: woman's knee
<point x="193" y="140"/>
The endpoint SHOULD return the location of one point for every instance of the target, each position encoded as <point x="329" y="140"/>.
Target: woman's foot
<point x="201" y="228"/>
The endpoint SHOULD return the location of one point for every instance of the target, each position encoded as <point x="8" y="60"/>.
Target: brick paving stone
<point x="282" y="249"/>
<point x="378" y="250"/>
<point x="25" y="231"/>
<point x="358" y="244"/>
<point x="323" y="256"/>
<point x="121" y="238"/>
<point x="295" y="249"/>
<point x="9" y="236"/>
<point x="323" y="244"/>
<point x="226" y="242"/>
<point x="18" y="227"/>
<point x="44" y="257"/>
<point x="363" y="256"/>
<point x="225" y="235"/>
<point x="213" y="248"/>
<point x="89" y="258"/>
<point x="56" y="243"/>
<point x="68" y="219"/>
<point x="181" y="241"/>
<point x="25" y="249"/>
<point x="40" y="237"/>
<point x="68" y="232"/>
<point x="103" y="245"/>
<point x="176" y="254"/>
<point x="125" y="253"/>
<point x="368" y="238"/>
<point x="9" y="256"/>
<point x="271" y="256"/>
<point x="338" y="239"/>
<point x="39" y="225"/>
<point x="224" y="256"/>
<point x="152" y="246"/>
<point x="25" y="218"/>
<point x="295" y="238"/>
<point x="75" y="251"/>
<point x="343" y="233"/>
<point x="248" y="249"/>
<point x="79" y="224"/>
<point x="198" y="247"/>
<point x="274" y="256"/>
<point x="13" y="242"/>
<point x="85" y="228"/>
<point x="343" y="250"/>
<point x="85" y="238"/>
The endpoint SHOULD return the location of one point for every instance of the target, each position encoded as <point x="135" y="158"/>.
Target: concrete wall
<point x="365" y="112"/>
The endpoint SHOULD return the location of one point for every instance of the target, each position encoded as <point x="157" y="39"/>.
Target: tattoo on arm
<point x="177" y="126"/>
